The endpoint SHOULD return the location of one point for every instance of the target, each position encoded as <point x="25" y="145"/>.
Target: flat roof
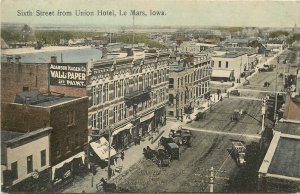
<point x="282" y="159"/>
<point x="286" y="159"/>
<point x="8" y="135"/>
<point x="54" y="100"/>
<point x="36" y="98"/>
<point x="288" y="127"/>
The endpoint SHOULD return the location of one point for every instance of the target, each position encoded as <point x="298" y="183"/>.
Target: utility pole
<point x="275" y="107"/>
<point x="211" y="180"/>
<point x="263" y="112"/>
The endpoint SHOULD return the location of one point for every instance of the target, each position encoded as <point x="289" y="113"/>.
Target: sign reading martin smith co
<point x="70" y="75"/>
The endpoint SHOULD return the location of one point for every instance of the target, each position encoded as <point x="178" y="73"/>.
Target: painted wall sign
<point x="69" y="75"/>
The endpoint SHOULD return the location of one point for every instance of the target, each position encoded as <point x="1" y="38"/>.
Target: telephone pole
<point x="211" y="180"/>
<point x="275" y="107"/>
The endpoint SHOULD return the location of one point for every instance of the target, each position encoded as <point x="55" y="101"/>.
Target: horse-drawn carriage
<point x="106" y="186"/>
<point x="160" y="157"/>
<point x="180" y="137"/>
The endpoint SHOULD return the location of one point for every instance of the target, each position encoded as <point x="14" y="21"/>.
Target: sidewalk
<point x="131" y="157"/>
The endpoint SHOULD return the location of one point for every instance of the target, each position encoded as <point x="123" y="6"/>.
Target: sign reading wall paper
<point x="68" y="74"/>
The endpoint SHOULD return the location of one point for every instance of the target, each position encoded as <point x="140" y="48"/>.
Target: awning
<point x="79" y="155"/>
<point x="128" y="126"/>
<point x="101" y="148"/>
<point x="221" y="73"/>
<point x="147" y="117"/>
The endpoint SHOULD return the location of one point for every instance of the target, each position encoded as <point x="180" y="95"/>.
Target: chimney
<point x="9" y="59"/>
<point x="17" y="58"/>
<point x="53" y="59"/>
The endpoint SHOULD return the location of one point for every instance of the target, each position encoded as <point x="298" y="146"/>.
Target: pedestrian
<point x="221" y="98"/>
<point x="122" y="155"/>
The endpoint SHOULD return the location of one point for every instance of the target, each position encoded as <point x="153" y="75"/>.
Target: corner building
<point x="128" y="96"/>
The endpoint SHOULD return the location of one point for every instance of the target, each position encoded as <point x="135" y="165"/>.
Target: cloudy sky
<point x="178" y="12"/>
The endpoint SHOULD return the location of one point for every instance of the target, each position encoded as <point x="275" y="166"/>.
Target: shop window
<point x="29" y="164"/>
<point x="43" y="158"/>
<point x="14" y="170"/>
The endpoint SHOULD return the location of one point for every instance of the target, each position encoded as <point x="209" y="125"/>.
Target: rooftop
<point x="286" y="158"/>
<point x="292" y="108"/>
<point x="282" y="158"/>
<point x="38" y="99"/>
<point x="288" y="127"/>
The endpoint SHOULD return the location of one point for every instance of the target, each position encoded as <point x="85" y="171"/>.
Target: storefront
<point x="63" y="173"/>
<point x="160" y="117"/>
<point x="146" y="125"/>
<point x="37" y="182"/>
<point x="122" y="137"/>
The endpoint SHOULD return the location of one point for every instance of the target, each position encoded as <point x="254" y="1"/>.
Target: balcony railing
<point x="137" y="97"/>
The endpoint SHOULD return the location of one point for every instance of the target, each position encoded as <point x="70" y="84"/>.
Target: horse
<point x="108" y="187"/>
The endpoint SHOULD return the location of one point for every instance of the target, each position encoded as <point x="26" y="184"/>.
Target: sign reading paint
<point x="69" y="75"/>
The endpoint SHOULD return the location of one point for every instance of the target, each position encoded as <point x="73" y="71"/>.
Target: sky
<point x="177" y="12"/>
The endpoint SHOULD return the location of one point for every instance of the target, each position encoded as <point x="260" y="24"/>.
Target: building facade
<point x="188" y="83"/>
<point x="128" y="97"/>
<point x="236" y="62"/>
<point x="25" y="161"/>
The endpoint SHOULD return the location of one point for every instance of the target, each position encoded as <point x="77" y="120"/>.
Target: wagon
<point x="235" y="115"/>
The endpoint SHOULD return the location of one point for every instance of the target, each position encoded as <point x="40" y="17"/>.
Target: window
<point x="25" y="89"/>
<point x="71" y="117"/>
<point x="29" y="164"/>
<point x="171" y="83"/>
<point x="220" y="63"/>
<point x="94" y="98"/>
<point x="100" y="94"/>
<point x="226" y="64"/>
<point x="94" y="120"/>
<point x="125" y="111"/>
<point x="212" y="63"/>
<point x="57" y="147"/>
<point x="14" y="170"/>
<point x="121" y="112"/>
<point x="76" y="139"/>
<point x="105" y="96"/>
<point x="105" y="119"/>
<point x="67" y="143"/>
<point x="43" y="158"/>
<point x="115" y="89"/>
<point x="100" y="119"/>
<point x="115" y="114"/>
<point x="121" y="87"/>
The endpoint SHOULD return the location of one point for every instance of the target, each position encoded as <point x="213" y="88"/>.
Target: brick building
<point x="17" y="77"/>
<point x="66" y="115"/>
<point x="188" y="82"/>
<point x="129" y="96"/>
